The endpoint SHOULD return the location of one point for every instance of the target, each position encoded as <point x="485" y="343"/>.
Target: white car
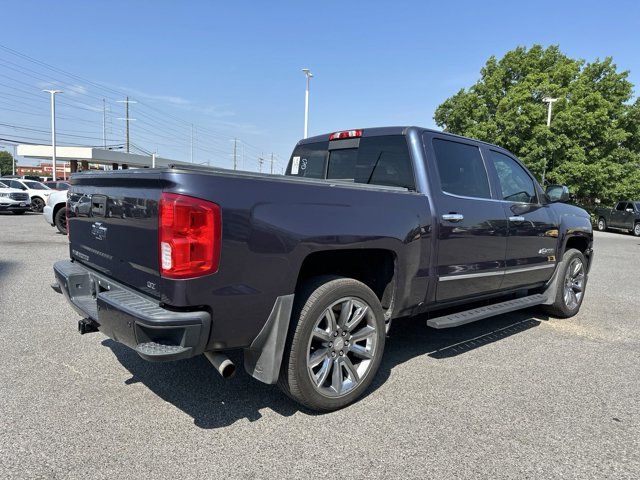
<point x="38" y="192"/>
<point x="13" y="200"/>
<point x="55" y="211"/>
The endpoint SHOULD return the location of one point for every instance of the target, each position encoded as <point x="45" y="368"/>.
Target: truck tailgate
<point x="113" y="223"/>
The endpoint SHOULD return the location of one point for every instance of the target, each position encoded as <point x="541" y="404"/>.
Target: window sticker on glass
<point x="295" y="165"/>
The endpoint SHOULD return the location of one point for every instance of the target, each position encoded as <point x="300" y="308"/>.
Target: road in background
<point x="516" y="396"/>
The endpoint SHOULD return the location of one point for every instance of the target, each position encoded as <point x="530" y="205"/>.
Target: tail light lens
<point x="189" y="236"/>
<point x="346" y="134"/>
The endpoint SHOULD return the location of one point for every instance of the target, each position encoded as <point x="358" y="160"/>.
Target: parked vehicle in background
<point x="57" y="185"/>
<point x="625" y="215"/>
<point x="305" y="272"/>
<point x="55" y="211"/>
<point x="38" y="192"/>
<point x="13" y="200"/>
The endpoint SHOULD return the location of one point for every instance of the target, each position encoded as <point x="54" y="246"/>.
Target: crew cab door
<point x="532" y="236"/>
<point x="627" y="216"/>
<point x="617" y="215"/>
<point x="471" y="226"/>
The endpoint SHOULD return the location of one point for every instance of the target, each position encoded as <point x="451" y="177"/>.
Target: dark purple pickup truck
<point x="305" y="272"/>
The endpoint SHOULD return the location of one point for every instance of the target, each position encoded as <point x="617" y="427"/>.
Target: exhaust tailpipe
<point x="225" y="367"/>
<point x="86" y="325"/>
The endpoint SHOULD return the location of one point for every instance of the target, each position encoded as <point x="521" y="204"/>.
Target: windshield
<point x="36" y="185"/>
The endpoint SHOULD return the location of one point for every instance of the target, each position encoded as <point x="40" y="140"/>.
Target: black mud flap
<point x="263" y="358"/>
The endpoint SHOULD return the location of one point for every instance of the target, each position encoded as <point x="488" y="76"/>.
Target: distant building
<point x="45" y="169"/>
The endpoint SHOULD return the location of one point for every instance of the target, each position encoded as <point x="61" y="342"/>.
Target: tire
<point x="602" y="224"/>
<point x="37" y="204"/>
<point x="342" y="367"/>
<point x="571" y="278"/>
<point x="636" y="229"/>
<point x="18" y="212"/>
<point x="60" y="220"/>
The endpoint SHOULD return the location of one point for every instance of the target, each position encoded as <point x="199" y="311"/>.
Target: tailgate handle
<point x="98" y="205"/>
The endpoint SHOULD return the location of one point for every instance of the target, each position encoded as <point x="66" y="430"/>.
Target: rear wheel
<point x="602" y="224"/>
<point x="37" y="204"/>
<point x="60" y="220"/>
<point x="335" y="343"/>
<point x="572" y="281"/>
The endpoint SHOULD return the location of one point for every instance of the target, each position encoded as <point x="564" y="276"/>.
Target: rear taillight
<point x="346" y="134"/>
<point x="189" y="233"/>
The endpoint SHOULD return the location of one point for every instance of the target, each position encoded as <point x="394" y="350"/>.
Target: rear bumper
<point x="135" y="320"/>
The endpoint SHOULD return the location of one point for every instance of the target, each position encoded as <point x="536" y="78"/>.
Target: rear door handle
<point x="516" y="219"/>
<point x="453" y="217"/>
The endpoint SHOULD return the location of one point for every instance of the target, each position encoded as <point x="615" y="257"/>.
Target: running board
<point x="457" y="319"/>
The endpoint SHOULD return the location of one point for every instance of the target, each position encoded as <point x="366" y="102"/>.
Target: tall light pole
<point x="549" y="101"/>
<point x="309" y="76"/>
<point x="53" y="130"/>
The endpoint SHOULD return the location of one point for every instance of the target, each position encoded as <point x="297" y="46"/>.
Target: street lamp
<point x="549" y="101"/>
<point x="53" y="130"/>
<point x="309" y="76"/>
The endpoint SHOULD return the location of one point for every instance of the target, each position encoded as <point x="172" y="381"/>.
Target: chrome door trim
<point x="528" y="269"/>
<point x="466" y="276"/>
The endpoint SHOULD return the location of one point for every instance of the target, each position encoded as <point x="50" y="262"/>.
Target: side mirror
<point x="558" y="193"/>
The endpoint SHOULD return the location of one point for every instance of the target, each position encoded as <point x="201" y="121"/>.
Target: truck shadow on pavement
<point x="195" y="387"/>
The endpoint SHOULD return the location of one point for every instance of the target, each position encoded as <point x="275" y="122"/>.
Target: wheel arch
<point x="375" y="267"/>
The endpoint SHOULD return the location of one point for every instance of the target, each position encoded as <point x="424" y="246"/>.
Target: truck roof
<point x="395" y="130"/>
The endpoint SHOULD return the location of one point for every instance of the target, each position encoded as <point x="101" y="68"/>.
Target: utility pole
<point x="192" y="143"/>
<point x="127" y="119"/>
<point x="271" y="170"/>
<point x="309" y="76"/>
<point x="52" y="93"/>
<point x="104" y="124"/>
<point x="104" y="130"/>
<point x="260" y="162"/>
<point x="235" y="150"/>
<point x="549" y="101"/>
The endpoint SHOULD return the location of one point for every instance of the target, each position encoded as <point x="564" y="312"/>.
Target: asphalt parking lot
<point x="516" y="396"/>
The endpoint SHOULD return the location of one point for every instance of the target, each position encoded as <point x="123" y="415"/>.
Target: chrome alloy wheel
<point x="601" y="225"/>
<point x="342" y="347"/>
<point x="574" y="284"/>
<point x="636" y="230"/>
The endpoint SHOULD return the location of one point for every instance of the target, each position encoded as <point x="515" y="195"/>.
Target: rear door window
<point x="461" y="168"/>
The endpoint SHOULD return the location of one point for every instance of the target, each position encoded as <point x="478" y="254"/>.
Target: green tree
<point x="6" y="162"/>
<point x="593" y="145"/>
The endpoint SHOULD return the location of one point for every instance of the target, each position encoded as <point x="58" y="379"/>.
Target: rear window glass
<point x="382" y="160"/>
<point x="461" y="169"/>
<point x="308" y="160"/>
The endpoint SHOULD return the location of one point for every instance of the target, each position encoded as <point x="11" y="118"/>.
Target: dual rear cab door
<point x="494" y="229"/>
<point x="623" y="215"/>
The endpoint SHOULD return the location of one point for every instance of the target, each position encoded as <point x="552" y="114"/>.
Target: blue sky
<point x="233" y="68"/>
